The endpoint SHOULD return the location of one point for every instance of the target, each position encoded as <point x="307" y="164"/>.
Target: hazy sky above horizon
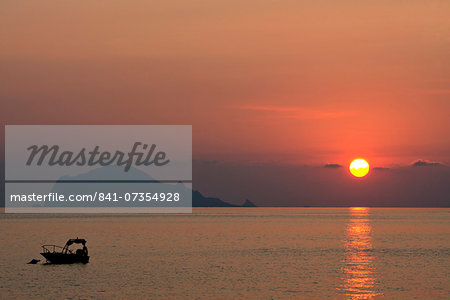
<point x="291" y="82"/>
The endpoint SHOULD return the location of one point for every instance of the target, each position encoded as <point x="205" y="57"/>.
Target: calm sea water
<point x="218" y="253"/>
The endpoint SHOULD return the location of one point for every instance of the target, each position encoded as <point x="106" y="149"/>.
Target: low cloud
<point x="300" y="185"/>
<point x="333" y="166"/>
<point x="205" y="161"/>
<point x="380" y="168"/>
<point x="296" y="112"/>
<point x="425" y="163"/>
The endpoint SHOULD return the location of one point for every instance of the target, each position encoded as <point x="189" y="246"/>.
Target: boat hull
<point x="62" y="258"/>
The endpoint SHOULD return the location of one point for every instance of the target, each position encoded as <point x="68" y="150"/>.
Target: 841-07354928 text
<point x="97" y="197"/>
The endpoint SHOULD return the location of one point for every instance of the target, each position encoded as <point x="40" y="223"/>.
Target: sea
<point x="233" y="253"/>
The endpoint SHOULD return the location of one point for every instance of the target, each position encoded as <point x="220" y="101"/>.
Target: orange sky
<point x="306" y="82"/>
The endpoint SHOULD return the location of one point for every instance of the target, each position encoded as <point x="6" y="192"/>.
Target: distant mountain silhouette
<point x="248" y="203"/>
<point x="113" y="172"/>
<point x="198" y="200"/>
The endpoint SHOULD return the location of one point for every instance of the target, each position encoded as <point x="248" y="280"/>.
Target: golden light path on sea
<point x="358" y="272"/>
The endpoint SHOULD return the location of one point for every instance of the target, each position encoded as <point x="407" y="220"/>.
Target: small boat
<point x="63" y="255"/>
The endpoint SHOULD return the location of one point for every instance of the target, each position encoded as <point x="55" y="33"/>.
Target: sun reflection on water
<point x="359" y="271"/>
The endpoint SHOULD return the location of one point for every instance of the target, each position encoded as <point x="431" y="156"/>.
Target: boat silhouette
<point x="63" y="255"/>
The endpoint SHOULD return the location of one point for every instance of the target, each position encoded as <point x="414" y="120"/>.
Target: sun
<point x="359" y="167"/>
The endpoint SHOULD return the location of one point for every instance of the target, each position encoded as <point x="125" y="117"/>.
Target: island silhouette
<point x="107" y="175"/>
